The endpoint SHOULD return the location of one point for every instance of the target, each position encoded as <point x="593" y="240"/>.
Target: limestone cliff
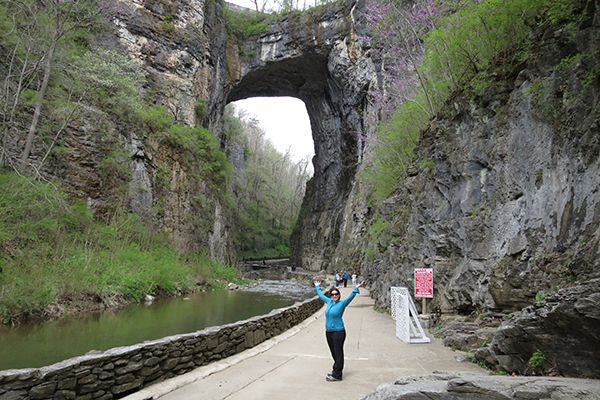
<point x="194" y="69"/>
<point x="503" y="204"/>
<point x="316" y="56"/>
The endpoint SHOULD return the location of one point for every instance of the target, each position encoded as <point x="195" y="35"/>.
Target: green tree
<point x="433" y="48"/>
<point x="36" y="32"/>
<point x="104" y="74"/>
<point x="270" y="190"/>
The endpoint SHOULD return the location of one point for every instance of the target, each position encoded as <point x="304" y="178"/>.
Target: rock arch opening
<point x="319" y="59"/>
<point x="285" y="122"/>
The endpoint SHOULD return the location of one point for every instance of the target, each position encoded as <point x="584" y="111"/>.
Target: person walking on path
<point x="335" y="332"/>
<point x="346" y="277"/>
<point x="354" y="279"/>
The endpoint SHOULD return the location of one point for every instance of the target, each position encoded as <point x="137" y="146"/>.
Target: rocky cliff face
<point x="504" y="206"/>
<point x="182" y="47"/>
<point x="318" y="57"/>
<point x="315" y="56"/>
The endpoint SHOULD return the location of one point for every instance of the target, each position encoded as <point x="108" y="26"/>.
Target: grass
<point x="52" y="249"/>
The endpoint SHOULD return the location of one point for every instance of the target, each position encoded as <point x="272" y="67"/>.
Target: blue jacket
<point x="334" y="311"/>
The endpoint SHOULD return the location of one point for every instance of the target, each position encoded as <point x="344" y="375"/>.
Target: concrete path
<point x="295" y="363"/>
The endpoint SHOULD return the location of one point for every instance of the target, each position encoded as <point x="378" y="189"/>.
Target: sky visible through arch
<point x="285" y="121"/>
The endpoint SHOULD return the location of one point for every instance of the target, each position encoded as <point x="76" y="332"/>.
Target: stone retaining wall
<point x="118" y="372"/>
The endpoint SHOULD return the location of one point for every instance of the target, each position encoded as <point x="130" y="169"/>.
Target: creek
<point x="39" y="344"/>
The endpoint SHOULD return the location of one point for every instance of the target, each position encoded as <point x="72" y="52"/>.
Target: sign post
<point x="424" y="285"/>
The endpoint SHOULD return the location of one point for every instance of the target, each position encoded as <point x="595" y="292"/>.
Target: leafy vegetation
<point x="51" y="75"/>
<point x="433" y="49"/>
<point x="52" y="250"/>
<point x="244" y="25"/>
<point x="537" y="359"/>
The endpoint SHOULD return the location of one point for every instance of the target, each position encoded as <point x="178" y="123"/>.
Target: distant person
<point x="354" y="279"/>
<point x="346" y="277"/>
<point x="337" y="279"/>
<point x="335" y="332"/>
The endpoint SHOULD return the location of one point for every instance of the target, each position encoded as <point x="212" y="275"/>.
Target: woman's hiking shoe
<point x="331" y="378"/>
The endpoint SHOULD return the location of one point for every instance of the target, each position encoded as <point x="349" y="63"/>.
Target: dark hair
<point x="337" y="291"/>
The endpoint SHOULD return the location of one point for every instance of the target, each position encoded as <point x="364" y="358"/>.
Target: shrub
<point x="50" y="249"/>
<point x="537" y="359"/>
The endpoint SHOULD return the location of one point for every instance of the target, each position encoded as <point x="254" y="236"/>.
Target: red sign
<point x="424" y="282"/>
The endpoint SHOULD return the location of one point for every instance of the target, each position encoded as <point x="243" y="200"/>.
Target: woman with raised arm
<point x="335" y="332"/>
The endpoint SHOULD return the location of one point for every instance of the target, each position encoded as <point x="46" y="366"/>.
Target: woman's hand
<point x="360" y="284"/>
<point x="317" y="283"/>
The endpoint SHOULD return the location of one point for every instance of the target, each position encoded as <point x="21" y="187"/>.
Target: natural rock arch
<point x="319" y="60"/>
<point x="317" y="56"/>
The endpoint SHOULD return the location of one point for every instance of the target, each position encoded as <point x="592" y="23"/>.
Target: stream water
<point x="40" y="344"/>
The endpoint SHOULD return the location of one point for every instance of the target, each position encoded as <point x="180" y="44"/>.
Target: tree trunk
<point x="38" y="105"/>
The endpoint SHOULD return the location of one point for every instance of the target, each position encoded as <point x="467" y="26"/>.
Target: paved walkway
<point x="295" y="363"/>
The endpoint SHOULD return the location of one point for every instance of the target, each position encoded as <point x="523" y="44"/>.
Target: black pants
<point x="336" y="340"/>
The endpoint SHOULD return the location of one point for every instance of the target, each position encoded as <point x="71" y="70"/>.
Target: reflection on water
<point x="36" y="345"/>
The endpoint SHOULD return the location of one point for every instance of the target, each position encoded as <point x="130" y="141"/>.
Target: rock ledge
<point x="464" y="386"/>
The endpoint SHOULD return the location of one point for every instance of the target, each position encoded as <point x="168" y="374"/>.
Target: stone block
<point x="259" y="336"/>
<point x="185" y="359"/>
<point x="130" y="367"/>
<point x="104" y="375"/>
<point x="87" y="379"/>
<point x="95" y="386"/>
<point x="182" y="366"/>
<point x="249" y="339"/>
<point x="170" y="363"/>
<point x="65" y="395"/>
<point x="13" y="395"/>
<point x="136" y="357"/>
<point x="201" y="345"/>
<point x="152" y="361"/>
<point x="220" y="348"/>
<point x="125" y="379"/>
<point x="176" y="353"/>
<point x="43" y="391"/>
<point x="82" y="371"/>
<point x="213" y="342"/>
<point x="108" y="367"/>
<point x="157" y="377"/>
<point x="239" y="332"/>
<point x="147" y="371"/>
<point x="127" y="386"/>
<point x="68" y="383"/>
